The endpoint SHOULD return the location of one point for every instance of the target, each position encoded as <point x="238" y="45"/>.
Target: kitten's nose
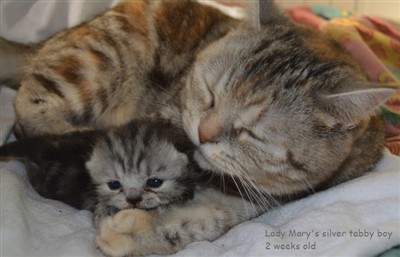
<point x="209" y="130"/>
<point x="133" y="195"/>
<point x="133" y="201"/>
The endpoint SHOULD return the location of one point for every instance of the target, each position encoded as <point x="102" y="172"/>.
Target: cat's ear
<point x="264" y="12"/>
<point x="350" y="107"/>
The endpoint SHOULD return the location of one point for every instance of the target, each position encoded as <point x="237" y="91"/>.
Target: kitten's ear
<point x="352" y="106"/>
<point x="265" y="11"/>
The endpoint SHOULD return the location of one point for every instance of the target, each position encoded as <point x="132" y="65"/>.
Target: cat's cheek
<point x="211" y="156"/>
<point x="201" y="160"/>
<point x="119" y="202"/>
<point x="149" y="202"/>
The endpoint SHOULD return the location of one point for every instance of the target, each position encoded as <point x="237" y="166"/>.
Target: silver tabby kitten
<point x="141" y="165"/>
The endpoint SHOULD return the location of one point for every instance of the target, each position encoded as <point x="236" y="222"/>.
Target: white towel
<point x="34" y="226"/>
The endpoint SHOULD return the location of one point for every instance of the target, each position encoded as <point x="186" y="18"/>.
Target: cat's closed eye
<point x="154" y="182"/>
<point x="209" y="101"/>
<point x="114" y="185"/>
<point x="248" y="132"/>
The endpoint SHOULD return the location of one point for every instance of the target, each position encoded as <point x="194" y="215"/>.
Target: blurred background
<point x="387" y="9"/>
<point x="383" y="8"/>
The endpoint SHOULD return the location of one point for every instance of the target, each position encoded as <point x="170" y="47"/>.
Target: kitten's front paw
<point x="116" y="235"/>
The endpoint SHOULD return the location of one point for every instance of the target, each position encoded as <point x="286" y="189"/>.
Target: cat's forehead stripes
<point x="139" y="159"/>
<point x="145" y="148"/>
<point x="278" y="60"/>
<point x="117" y="154"/>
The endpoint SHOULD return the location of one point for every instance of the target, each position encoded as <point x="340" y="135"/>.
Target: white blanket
<point x="359" y="218"/>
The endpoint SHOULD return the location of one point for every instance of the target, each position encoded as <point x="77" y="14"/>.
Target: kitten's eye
<point x="154" y="182"/>
<point x="114" y="185"/>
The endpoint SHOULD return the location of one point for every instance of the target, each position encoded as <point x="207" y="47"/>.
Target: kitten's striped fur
<point x="279" y="110"/>
<point x="77" y="167"/>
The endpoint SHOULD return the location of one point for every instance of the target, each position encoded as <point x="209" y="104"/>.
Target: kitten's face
<point x="130" y="173"/>
<point x="250" y="107"/>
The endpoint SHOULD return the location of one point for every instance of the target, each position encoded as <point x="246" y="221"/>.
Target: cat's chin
<point x="202" y="161"/>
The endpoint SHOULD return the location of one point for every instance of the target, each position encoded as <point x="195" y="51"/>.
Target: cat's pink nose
<point x="206" y="137"/>
<point x="209" y="130"/>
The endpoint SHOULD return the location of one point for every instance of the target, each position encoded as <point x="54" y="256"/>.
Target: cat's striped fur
<point x="281" y="110"/>
<point x="126" y="63"/>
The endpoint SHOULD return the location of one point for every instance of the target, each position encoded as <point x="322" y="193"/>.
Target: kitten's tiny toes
<point x="132" y="220"/>
<point x="106" y="228"/>
<point x="117" y="234"/>
<point x="114" y="246"/>
<point x="111" y="241"/>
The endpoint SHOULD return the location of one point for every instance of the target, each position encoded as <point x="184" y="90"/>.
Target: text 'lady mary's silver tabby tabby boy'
<point x="144" y="164"/>
<point x="279" y="110"/>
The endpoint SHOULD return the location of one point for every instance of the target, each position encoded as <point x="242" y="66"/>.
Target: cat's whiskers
<point x="236" y="166"/>
<point x="248" y="186"/>
<point x="222" y="182"/>
<point x="255" y="194"/>
<point x="250" y="194"/>
<point x="258" y="195"/>
<point x="241" y="194"/>
<point x="309" y="185"/>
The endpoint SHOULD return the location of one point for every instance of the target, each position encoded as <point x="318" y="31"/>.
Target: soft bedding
<point x="357" y="218"/>
<point x="34" y="226"/>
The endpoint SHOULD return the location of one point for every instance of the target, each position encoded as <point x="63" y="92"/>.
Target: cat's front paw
<point x="116" y="236"/>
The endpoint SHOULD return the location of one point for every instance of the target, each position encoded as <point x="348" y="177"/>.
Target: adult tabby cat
<point x="281" y="110"/>
<point x="143" y="164"/>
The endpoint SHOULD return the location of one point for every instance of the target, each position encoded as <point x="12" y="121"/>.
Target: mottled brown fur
<point x="120" y="63"/>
